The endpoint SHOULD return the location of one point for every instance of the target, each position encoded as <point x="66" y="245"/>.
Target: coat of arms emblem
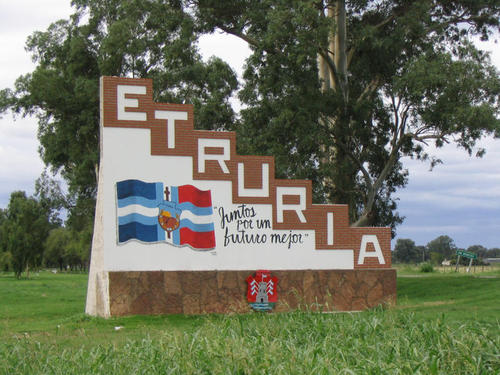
<point x="261" y="291"/>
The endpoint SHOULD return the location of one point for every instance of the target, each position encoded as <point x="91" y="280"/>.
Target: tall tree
<point x="50" y="195"/>
<point x="56" y="246"/>
<point x="443" y="245"/>
<point x="26" y="227"/>
<point x="479" y="250"/>
<point x="341" y="90"/>
<point x="152" y="39"/>
<point x="5" y="256"/>
<point x="3" y="217"/>
<point x="405" y="251"/>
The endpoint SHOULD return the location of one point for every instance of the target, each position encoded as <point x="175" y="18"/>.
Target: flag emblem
<point x="151" y="212"/>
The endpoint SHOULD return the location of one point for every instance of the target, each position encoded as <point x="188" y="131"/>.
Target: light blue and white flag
<point x="184" y="218"/>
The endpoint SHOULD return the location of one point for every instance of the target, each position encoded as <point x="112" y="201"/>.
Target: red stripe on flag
<point x="197" y="240"/>
<point x="200" y="198"/>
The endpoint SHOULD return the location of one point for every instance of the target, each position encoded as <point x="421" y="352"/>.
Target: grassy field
<point x="444" y="323"/>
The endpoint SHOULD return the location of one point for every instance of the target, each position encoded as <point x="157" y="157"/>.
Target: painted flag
<point x="184" y="219"/>
<point x="196" y="225"/>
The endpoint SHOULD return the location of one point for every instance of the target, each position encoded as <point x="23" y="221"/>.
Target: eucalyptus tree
<point x="340" y="91"/>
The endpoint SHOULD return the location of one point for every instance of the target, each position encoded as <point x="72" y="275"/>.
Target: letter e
<point x="122" y="102"/>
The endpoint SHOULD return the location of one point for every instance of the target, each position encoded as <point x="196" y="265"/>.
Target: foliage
<point x="479" y="250"/>
<point x="67" y="248"/>
<point x="436" y="258"/>
<point x="26" y="226"/>
<point x="55" y="247"/>
<point x="50" y="195"/>
<point x="443" y="245"/>
<point x="5" y="261"/>
<point x="493" y="253"/>
<point x="441" y="248"/>
<point x="3" y="235"/>
<point x="339" y="91"/>
<point x="426" y="267"/>
<point x="405" y="251"/>
<point x="77" y="255"/>
<point x="153" y="39"/>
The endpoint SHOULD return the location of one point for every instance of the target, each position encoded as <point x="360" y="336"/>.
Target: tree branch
<point x="397" y="142"/>
<point x="364" y="171"/>
<point x="369" y="89"/>
<point x="331" y="66"/>
<point x="240" y="35"/>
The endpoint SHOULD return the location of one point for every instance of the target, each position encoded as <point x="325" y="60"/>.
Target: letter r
<point x="203" y="143"/>
<point x="298" y="208"/>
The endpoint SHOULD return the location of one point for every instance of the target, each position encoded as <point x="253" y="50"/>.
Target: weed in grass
<point x="375" y="342"/>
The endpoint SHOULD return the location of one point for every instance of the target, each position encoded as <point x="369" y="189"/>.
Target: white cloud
<point x="20" y="164"/>
<point x="461" y="182"/>
<point x="417" y="229"/>
<point x="229" y="48"/>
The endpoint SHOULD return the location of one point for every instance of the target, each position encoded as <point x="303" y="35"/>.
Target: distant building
<point x="491" y="260"/>
<point x="446" y="262"/>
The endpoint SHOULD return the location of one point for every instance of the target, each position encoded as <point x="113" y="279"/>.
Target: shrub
<point x="426" y="267"/>
<point x="5" y="261"/>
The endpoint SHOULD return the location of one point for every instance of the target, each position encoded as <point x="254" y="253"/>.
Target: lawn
<point x="444" y="323"/>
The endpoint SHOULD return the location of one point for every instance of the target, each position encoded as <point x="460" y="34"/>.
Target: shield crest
<point x="262" y="290"/>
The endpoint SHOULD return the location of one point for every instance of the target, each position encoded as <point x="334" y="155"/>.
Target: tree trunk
<point x="340" y="45"/>
<point x="340" y="183"/>
<point x="323" y="73"/>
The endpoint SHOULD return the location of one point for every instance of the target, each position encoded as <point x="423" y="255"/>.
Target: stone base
<point x="197" y="292"/>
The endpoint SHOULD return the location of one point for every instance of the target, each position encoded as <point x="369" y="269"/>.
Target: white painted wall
<point x="126" y="154"/>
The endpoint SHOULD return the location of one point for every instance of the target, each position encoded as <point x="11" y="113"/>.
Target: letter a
<point x="365" y="240"/>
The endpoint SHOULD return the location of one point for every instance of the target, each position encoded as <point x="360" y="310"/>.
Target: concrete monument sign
<point x="182" y="220"/>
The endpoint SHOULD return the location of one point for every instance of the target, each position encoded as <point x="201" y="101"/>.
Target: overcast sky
<point x="460" y="198"/>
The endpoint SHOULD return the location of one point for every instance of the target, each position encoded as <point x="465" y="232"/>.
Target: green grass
<point x="50" y="308"/>
<point x="443" y="324"/>
<point x="411" y="270"/>
<point x="41" y="302"/>
<point x="459" y="298"/>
